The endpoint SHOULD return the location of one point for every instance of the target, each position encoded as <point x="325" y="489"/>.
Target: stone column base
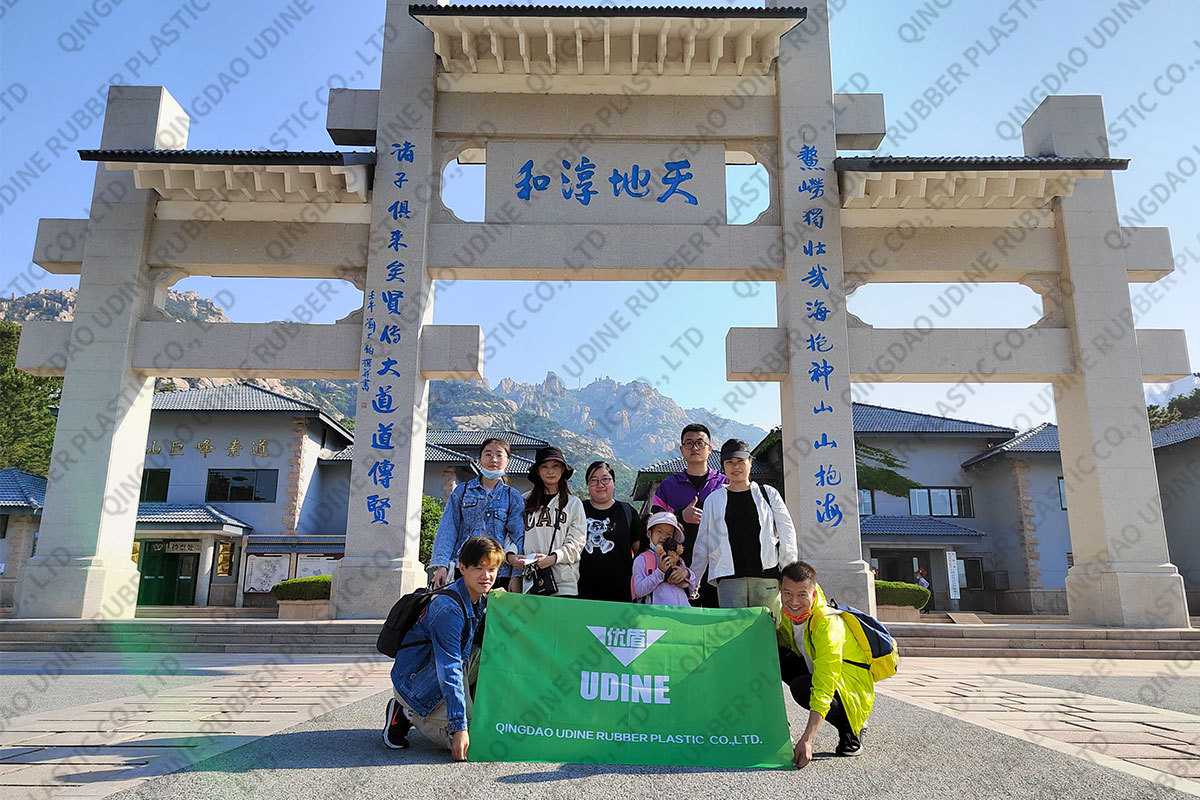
<point x="367" y="588"/>
<point x="851" y="583"/>
<point x="1126" y="596"/>
<point x="61" y="587"/>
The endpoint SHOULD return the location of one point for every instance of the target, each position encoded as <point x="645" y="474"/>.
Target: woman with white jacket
<point x="746" y="535"/>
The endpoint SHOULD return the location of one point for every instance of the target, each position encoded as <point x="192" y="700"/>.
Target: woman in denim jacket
<point x="430" y="675"/>
<point x="483" y="506"/>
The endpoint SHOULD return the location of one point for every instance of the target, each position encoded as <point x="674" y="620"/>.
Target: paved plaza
<point x="198" y="726"/>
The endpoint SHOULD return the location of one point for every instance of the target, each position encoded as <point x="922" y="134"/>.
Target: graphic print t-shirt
<point x="606" y="564"/>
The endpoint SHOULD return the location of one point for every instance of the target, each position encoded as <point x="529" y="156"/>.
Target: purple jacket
<point x="676" y="492"/>
<point x="650" y="583"/>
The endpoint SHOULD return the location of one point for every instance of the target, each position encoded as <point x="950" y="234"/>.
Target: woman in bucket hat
<point x="555" y="523"/>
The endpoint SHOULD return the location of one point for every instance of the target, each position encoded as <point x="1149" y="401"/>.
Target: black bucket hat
<point x="545" y="454"/>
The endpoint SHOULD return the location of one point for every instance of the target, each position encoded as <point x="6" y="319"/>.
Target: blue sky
<point x="54" y="70"/>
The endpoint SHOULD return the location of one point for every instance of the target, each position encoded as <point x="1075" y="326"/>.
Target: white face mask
<point x="491" y="475"/>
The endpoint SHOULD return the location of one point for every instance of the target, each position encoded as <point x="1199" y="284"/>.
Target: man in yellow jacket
<point x="820" y="661"/>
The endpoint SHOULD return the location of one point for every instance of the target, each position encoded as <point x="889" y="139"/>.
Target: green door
<point x="168" y="579"/>
<point x="151" y="563"/>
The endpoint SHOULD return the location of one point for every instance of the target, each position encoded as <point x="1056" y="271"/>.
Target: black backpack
<point x="405" y="614"/>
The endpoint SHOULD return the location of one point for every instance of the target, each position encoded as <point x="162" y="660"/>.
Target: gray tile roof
<point x="1182" y="431"/>
<point x="301" y="543"/>
<point x="1044" y="439"/>
<point x="870" y="419"/>
<point x="898" y="525"/>
<point x="517" y="465"/>
<point x="452" y="438"/>
<point x="241" y="397"/>
<point x="21" y="489"/>
<point x="186" y="514"/>
<point x="980" y="163"/>
<point x="306" y="157"/>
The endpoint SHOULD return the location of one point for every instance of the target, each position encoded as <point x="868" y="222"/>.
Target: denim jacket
<point x="425" y="674"/>
<point x="471" y="510"/>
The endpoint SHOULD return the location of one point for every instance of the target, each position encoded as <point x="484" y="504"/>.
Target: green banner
<point x="581" y="681"/>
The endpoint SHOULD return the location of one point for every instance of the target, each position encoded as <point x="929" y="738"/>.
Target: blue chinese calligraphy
<point x="390" y="334"/>
<point x="815" y="217"/>
<point x="394" y="242"/>
<point x="635" y="183"/>
<point x="388" y="367"/>
<point x="395" y="272"/>
<point x="381" y="473"/>
<point x="581" y="189"/>
<point x="403" y="152"/>
<point x="812" y="248"/>
<point x="527" y="182"/>
<point x="672" y="180"/>
<point x="822" y="408"/>
<point x="817" y="310"/>
<point x="392" y="300"/>
<point x="382" y="438"/>
<point x="816" y="278"/>
<point x="808" y="157"/>
<point x="814" y="186"/>
<point x="819" y="372"/>
<point x="399" y="210"/>
<point x="382" y="401"/>
<point x="828" y="476"/>
<point x="378" y="507"/>
<point x="817" y="343"/>
<point x="401" y="179"/>
<point x="829" y="511"/>
<point x="824" y="441"/>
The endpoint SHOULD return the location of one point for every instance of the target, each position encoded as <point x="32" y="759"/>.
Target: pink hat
<point x="665" y="518"/>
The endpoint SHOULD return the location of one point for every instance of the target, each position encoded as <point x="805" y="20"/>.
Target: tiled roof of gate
<point x="898" y="525"/>
<point x="1044" y="439"/>
<point x="186" y="514"/>
<point x="307" y="157"/>
<point x="21" y="489"/>
<point x="976" y="163"/>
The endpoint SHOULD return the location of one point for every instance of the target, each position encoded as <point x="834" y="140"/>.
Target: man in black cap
<point x="746" y="534"/>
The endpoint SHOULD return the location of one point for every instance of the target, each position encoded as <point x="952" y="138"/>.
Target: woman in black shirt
<point x="613" y="531"/>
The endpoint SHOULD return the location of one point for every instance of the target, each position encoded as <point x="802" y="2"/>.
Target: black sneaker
<point x="395" y="726"/>
<point x="848" y="745"/>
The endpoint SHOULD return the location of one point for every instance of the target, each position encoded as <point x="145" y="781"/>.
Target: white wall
<point x="1179" y="486"/>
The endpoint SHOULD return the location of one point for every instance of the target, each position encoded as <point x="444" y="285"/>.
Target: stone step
<point x="1000" y="653"/>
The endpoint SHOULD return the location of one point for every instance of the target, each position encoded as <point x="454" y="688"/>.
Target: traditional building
<point x="994" y="498"/>
<point x="240" y="488"/>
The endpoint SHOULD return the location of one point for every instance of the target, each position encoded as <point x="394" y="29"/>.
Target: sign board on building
<point x="952" y="574"/>
<point x="307" y="566"/>
<point x="183" y="547"/>
<point x="668" y="183"/>
<point x="263" y="572"/>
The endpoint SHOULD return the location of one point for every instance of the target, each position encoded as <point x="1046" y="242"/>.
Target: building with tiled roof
<point x="992" y="496"/>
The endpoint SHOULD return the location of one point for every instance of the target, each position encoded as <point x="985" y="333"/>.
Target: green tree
<point x="26" y="426"/>
<point x="431" y="515"/>
<point x="1188" y="405"/>
<point x="1162" y="417"/>
<point x="877" y="469"/>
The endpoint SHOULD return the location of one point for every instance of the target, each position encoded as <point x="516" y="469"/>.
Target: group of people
<point x="714" y="538"/>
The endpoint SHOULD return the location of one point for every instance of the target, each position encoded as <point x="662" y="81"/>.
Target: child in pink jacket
<point x="654" y="568"/>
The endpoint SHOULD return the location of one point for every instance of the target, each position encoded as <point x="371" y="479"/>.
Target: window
<point x="3" y="526"/>
<point x="154" y="485"/>
<point x="1062" y="493"/>
<point x="940" y="502"/>
<point x="866" y="502"/>
<point x="241" y="485"/>
<point x="1070" y="559"/>
<point x="137" y="546"/>
<point x="970" y="573"/>
<point x="224" y="559"/>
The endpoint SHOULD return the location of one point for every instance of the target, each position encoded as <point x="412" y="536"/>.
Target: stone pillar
<point x="83" y="568"/>
<point x="819" y="477"/>
<point x="21" y="530"/>
<point x="383" y="522"/>
<point x="205" y="571"/>
<point x="1122" y="575"/>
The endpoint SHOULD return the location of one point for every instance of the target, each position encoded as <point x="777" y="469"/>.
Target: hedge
<point x="431" y="516"/>
<point x="895" y="593"/>
<point x="314" y="588"/>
